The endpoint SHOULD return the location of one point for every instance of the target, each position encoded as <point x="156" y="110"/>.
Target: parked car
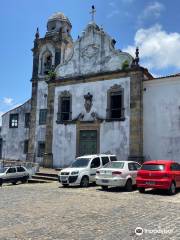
<point x="83" y="170"/>
<point x="159" y="174"/>
<point x="118" y="174"/>
<point x="13" y="174"/>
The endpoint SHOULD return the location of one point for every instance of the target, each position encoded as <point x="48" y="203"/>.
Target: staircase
<point x="44" y="176"/>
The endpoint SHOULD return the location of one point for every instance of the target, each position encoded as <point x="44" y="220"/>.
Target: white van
<point x="83" y="170"/>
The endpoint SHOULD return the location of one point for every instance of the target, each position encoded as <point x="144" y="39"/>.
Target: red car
<point x="159" y="174"/>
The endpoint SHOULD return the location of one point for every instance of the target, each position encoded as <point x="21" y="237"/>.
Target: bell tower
<point x="48" y="52"/>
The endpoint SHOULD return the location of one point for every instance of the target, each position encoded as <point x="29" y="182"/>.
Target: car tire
<point x="84" y="181"/>
<point x="65" y="185"/>
<point x="1" y="182"/>
<point x="14" y="183"/>
<point x="141" y="190"/>
<point x="24" y="179"/>
<point x="129" y="186"/>
<point x="104" y="187"/>
<point x="172" y="189"/>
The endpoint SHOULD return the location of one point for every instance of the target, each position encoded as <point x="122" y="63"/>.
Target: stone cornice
<point x="100" y="76"/>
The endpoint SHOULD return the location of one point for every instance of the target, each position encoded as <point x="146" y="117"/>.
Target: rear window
<point x="113" y="158"/>
<point x="114" y="165"/>
<point x="153" y="167"/>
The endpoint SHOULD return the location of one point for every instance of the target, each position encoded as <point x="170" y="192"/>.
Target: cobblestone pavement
<point x="49" y="211"/>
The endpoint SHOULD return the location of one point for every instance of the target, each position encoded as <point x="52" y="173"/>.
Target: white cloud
<point x="152" y="10"/>
<point x="114" y="8"/>
<point x="158" y="49"/>
<point x="113" y="13"/>
<point x="8" y="101"/>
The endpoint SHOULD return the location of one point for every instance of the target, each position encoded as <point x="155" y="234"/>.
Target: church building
<point x="88" y="97"/>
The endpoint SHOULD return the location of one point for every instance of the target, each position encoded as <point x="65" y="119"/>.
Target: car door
<point x="132" y="171"/>
<point x="21" y="172"/>
<point x="178" y="173"/>
<point x="105" y="160"/>
<point x="10" y="174"/>
<point x="94" y="165"/>
<point x="175" y="171"/>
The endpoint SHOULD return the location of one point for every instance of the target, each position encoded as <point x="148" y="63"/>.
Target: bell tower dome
<point x="58" y="23"/>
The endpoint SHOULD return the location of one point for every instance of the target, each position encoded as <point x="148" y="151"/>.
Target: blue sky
<point x="151" y="25"/>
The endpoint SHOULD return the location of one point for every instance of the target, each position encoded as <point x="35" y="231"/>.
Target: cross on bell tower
<point x="93" y="11"/>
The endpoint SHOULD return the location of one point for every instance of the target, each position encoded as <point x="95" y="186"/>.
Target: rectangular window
<point x="27" y="120"/>
<point x="41" y="149"/>
<point x="26" y="142"/>
<point x="13" y="120"/>
<point x="116" y="105"/>
<point x="65" y="108"/>
<point x="42" y="116"/>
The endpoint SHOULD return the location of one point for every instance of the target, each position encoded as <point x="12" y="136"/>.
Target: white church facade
<point x="88" y="97"/>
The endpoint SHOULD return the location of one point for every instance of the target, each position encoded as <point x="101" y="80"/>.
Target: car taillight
<point x="97" y="172"/>
<point x="116" y="173"/>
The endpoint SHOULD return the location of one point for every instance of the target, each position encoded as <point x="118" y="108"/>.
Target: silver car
<point x="118" y="174"/>
<point x="13" y="174"/>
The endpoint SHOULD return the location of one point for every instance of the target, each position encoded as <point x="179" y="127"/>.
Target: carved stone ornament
<point x="88" y="102"/>
<point x="90" y="51"/>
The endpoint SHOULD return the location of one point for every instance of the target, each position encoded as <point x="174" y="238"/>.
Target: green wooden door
<point x="88" y="142"/>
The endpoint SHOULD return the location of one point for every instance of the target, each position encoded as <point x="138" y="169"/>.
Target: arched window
<point x="46" y="62"/>
<point x="115" y="103"/>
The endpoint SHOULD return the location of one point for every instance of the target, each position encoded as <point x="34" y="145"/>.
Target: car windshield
<point x="114" y="165"/>
<point x="2" y="170"/>
<point x="81" y="162"/>
<point x="153" y="167"/>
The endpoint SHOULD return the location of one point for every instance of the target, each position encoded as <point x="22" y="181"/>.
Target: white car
<point x="83" y="170"/>
<point x="118" y="174"/>
<point x="13" y="174"/>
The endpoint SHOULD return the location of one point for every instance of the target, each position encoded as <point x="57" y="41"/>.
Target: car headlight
<point x="75" y="173"/>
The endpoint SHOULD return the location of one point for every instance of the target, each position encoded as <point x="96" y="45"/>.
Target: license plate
<point x="105" y="181"/>
<point x="150" y="183"/>
<point x="63" y="178"/>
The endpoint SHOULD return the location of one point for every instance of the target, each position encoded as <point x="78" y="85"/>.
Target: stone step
<point x="55" y="175"/>
<point x="46" y="178"/>
<point x="38" y="181"/>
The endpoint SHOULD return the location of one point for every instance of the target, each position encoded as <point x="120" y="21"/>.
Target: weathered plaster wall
<point x="93" y="52"/>
<point x="40" y="134"/>
<point x="162" y="119"/>
<point x="13" y="138"/>
<point x="114" y="136"/>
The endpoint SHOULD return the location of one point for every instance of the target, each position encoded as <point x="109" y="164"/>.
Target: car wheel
<point x="1" y="182"/>
<point x="84" y="182"/>
<point x="24" y="179"/>
<point x="129" y="186"/>
<point x="14" y="183"/>
<point x="141" y="190"/>
<point x="172" y="189"/>
<point x="104" y="187"/>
